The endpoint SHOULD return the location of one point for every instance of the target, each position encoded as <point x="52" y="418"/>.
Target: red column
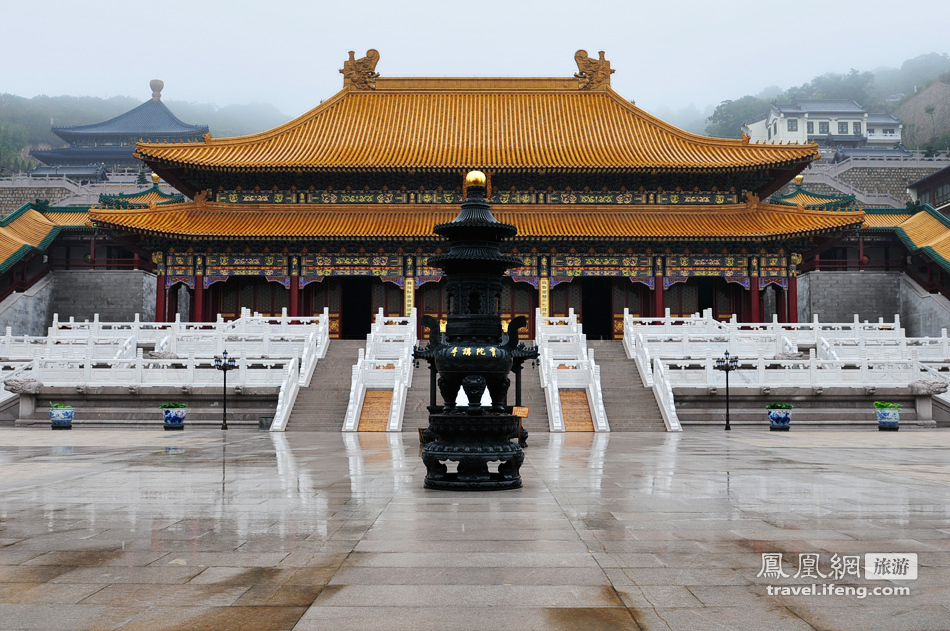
<point x="198" y="304"/>
<point x="294" y="310"/>
<point x="160" y="297"/>
<point x="658" y="304"/>
<point x="793" y="298"/>
<point x="659" y="307"/>
<point x="754" y="300"/>
<point x="781" y="295"/>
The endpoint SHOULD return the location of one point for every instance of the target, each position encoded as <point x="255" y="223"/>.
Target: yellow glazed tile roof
<point x="875" y="220"/>
<point x="68" y="218"/>
<point x="24" y="231"/>
<point x="30" y="228"/>
<point x="489" y="124"/>
<point x="231" y="221"/>
<point x="925" y="231"/>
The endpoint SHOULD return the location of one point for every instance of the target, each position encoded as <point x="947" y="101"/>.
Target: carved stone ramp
<point x="630" y="406"/>
<point x="322" y="406"/>
<point x="575" y="408"/>
<point x="374" y="416"/>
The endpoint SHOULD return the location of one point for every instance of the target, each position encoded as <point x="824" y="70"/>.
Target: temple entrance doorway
<point x="356" y="307"/>
<point x="597" y="314"/>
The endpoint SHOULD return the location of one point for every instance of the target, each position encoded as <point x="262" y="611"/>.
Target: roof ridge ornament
<point x="156" y="85"/>
<point x="360" y="74"/>
<point x="593" y="74"/>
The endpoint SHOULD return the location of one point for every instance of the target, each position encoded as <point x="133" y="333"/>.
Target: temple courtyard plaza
<point x="126" y="529"/>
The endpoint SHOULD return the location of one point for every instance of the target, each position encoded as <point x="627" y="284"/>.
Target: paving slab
<point x="122" y="529"/>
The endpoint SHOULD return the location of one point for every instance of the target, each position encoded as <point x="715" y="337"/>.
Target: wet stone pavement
<point x="111" y="529"/>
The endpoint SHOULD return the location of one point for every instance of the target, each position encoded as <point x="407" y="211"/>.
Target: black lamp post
<point x="224" y="364"/>
<point x="727" y="364"/>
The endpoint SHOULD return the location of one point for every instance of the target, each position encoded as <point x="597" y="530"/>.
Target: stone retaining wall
<point x="28" y="312"/>
<point x="837" y="296"/>
<point x="116" y="295"/>
<point x="892" y="181"/>
<point x="13" y="197"/>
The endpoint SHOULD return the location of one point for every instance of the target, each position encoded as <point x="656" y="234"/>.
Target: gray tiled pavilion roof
<point x="883" y="119"/>
<point x="829" y="106"/>
<point x="151" y="120"/>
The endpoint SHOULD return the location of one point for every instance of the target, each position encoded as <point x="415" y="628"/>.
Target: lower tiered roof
<point x="208" y="220"/>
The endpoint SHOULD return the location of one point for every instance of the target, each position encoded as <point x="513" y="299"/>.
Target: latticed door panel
<point x="682" y="299"/>
<point x="325" y="294"/>
<point x="430" y="300"/>
<point x="519" y="299"/>
<point x="724" y="301"/>
<point x="626" y="295"/>
<point x="388" y="297"/>
<point x="564" y="297"/>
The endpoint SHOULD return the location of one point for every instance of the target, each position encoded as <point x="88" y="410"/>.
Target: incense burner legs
<point x="473" y="437"/>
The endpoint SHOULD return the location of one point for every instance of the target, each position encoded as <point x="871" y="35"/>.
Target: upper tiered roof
<point x="150" y="120"/>
<point x="457" y="124"/>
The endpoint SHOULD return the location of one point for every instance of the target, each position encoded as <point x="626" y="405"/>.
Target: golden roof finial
<point x="475" y="178"/>
<point x="156" y="178"/>
<point x="799" y="179"/>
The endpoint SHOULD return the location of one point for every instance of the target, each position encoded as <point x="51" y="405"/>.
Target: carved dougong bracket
<point x="593" y="74"/>
<point x="360" y="74"/>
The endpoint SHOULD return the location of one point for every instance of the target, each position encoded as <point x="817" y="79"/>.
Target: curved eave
<point x="501" y="131"/>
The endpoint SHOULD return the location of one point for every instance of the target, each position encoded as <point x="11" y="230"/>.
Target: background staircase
<point x="630" y="406"/>
<point x="322" y="406"/>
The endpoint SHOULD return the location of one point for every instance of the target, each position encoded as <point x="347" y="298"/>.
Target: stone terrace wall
<point x="923" y="313"/>
<point x="13" y="197"/>
<point x="837" y="296"/>
<point x="814" y="187"/>
<point x="28" y="312"/>
<point x="892" y="181"/>
<point x="114" y="295"/>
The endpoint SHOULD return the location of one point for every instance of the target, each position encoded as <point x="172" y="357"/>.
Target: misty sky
<point x="667" y="54"/>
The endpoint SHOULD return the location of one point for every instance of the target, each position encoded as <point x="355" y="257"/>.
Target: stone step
<point x="321" y="407"/>
<point x="629" y="405"/>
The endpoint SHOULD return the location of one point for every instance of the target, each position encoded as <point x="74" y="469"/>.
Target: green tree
<point x="726" y="121"/>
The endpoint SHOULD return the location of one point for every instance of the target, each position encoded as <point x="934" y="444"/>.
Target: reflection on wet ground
<point x="108" y="529"/>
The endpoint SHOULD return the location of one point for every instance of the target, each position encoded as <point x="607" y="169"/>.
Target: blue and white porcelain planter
<point x="61" y="418"/>
<point x="779" y="420"/>
<point x="174" y="418"/>
<point x="888" y="420"/>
